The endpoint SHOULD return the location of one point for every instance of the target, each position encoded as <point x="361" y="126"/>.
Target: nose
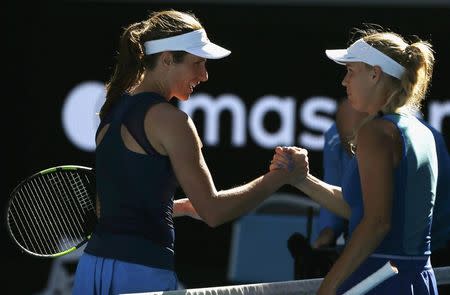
<point x="344" y="81"/>
<point x="204" y="74"/>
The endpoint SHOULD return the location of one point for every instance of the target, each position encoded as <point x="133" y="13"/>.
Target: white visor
<point x="360" y="51"/>
<point x="195" y="42"/>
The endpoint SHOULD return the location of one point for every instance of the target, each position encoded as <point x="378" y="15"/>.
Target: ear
<point x="376" y="73"/>
<point x="166" y="58"/>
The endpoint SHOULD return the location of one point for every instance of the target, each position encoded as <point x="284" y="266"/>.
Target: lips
<point x="192" y="85"/>
<point x="191" y="88"/>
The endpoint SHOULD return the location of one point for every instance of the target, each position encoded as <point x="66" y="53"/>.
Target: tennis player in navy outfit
<point x="390" y="185"/>
<point x="146" y="147"/>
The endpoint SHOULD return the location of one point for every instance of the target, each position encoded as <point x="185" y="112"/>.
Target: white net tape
<point x="297" y="287"/>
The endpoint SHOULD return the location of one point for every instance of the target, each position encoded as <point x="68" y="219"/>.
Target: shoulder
<point x="378" y="133"/>
<point x="168" y="122"/>
<point x="167" y="115"/>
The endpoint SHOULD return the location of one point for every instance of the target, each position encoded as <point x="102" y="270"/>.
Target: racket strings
<point x="33" y="224"/>
<point x="45" y="232"/>
<point x="82" y="193"/>
<point x="22" y="222"/>
<point x="49" y="213"/>
<point x="69" y="218"/>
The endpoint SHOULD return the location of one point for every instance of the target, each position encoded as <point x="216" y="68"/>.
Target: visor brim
<point x="209" y="51"/>
<point x="340" y="56"/>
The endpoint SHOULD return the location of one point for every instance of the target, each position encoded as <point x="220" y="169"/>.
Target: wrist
<point x="299" y="182"/>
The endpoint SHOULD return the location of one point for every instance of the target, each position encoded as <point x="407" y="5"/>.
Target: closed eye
<point x="202" y="60"/>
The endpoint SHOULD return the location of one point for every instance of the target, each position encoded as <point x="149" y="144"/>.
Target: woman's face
<point x="359" y="86"/>
<point x="184" y="76"/>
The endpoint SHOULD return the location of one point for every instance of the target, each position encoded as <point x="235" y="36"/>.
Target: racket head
<point x="53" y="212"/>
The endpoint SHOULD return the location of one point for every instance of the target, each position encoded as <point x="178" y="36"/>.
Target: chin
<point x="183" y="97"/>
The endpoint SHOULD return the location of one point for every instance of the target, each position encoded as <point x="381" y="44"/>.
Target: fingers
<point x="295" y="156"/>
<point x="290" y="158"/>
<point x="280" y="160"/>
<point x="290" y="150"/>
<point x="280" y="163"/>
<point x="276" y="166"/>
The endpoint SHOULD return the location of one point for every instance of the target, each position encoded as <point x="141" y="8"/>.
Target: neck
<point x="151" y="83"/>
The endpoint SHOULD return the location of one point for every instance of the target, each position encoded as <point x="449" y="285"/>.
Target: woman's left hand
<point x="183" y="207"/>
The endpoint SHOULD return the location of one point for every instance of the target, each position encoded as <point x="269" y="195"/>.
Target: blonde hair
<point x="418" y="60"/>
<point x="131" y="59"/>
<point x="407" y="93"/>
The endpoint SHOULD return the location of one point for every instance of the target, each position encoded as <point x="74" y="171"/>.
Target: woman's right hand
<point x="292" y="159"/>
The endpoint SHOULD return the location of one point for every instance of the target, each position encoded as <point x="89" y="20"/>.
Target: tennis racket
<point x="53" y="212"/>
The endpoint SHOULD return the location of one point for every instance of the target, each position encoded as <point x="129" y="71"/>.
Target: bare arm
<point x="183" y="207"/>
<point x="327" y="195"/>
<point x="178" y="136"/>
<point x="376" y="147"/>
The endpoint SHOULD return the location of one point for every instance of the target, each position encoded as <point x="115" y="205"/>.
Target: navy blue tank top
<point x="135" y="190"/>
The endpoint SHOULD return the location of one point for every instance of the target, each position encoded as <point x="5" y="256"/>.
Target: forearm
<point x="365" y="239"/>
<point x="232" y="203"/>
<point x="328" y="196"/>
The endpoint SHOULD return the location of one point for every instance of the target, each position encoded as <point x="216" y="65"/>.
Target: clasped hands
<point x="292" y="159"/>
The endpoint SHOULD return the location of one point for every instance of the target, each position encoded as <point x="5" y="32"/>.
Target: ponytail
<point x="129" y="67"/>
<point x="418" y="61"/>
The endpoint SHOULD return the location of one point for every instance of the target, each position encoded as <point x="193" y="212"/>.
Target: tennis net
<point x="297" y="287"/>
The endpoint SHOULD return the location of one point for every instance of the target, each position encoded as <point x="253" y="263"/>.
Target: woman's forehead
<point x="355" y="65"/>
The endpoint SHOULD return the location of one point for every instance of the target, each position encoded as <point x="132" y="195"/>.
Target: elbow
<point x="213" y="214"/>
<point x="213" y="224"/>
<point x="211" y="218"/>
<point x="212" y="221"/>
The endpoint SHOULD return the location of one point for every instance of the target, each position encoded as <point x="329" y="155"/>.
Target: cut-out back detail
<point x="131" y="119"/>
<point x="101" y="134"/>
<point x="129" y="142"/>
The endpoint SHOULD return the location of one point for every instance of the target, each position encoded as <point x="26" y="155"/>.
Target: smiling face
<point x="359" y="85"/>
<point x="184" y="76"/>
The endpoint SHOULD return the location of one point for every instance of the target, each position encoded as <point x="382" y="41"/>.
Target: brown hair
<point x="131" y="58"/>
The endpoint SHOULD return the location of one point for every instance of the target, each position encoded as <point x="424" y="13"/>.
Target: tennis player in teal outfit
<point x="390" y="185"/>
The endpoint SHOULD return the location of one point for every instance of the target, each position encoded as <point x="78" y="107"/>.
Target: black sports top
<point x="135" y="190"/>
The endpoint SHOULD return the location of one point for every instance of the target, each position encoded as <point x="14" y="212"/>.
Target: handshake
<point x="293" y="160"/>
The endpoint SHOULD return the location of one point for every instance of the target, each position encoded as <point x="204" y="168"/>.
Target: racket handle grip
<point x="382" y="274"/>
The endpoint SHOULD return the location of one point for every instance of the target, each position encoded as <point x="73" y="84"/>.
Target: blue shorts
<point x="415" y="276"/>
<point x="103" y="276"/>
